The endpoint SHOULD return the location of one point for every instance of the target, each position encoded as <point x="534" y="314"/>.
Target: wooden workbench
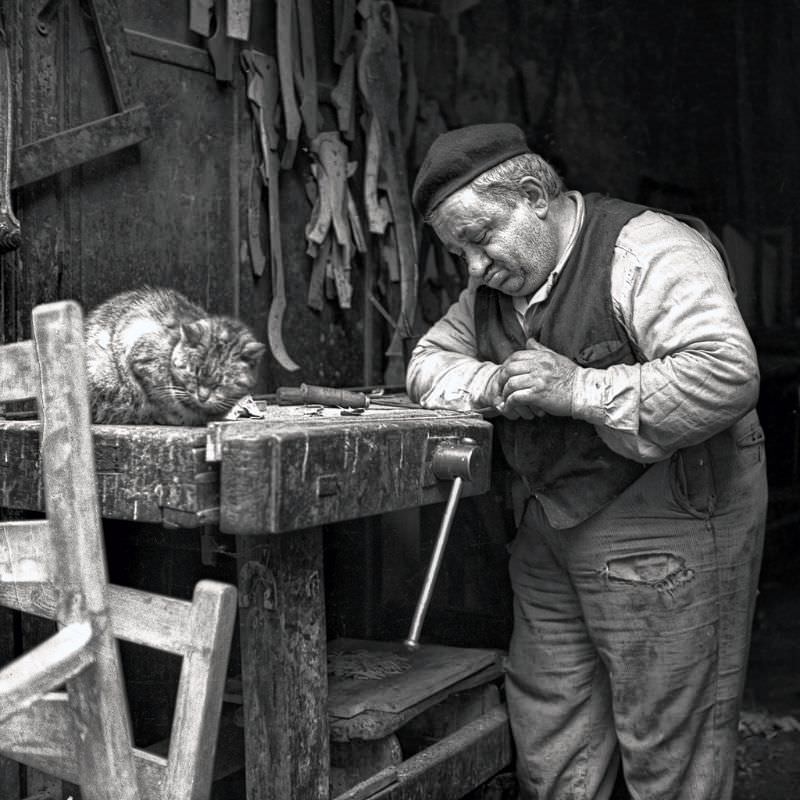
<point x="272" y="483"/>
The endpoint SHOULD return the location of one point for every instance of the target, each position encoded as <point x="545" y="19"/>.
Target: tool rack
<point x="272" y="484"/>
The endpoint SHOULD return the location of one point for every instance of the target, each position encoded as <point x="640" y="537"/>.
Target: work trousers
<point x="632" y="630"/>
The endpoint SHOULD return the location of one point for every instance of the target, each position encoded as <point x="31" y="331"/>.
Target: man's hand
<point x="536" y="381"/>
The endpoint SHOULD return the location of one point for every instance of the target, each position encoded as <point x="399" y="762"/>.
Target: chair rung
<point x="45" y="667"/>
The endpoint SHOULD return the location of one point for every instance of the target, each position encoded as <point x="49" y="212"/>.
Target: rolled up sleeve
<point x="444" y="370"/>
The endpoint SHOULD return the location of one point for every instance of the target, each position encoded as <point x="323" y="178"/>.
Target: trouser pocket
<point x="692" y="480"/>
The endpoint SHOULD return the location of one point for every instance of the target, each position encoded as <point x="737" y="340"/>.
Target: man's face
<point x="512" y="250"/>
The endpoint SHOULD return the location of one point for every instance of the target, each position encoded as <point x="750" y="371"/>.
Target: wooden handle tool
<point x="10" y="235"/>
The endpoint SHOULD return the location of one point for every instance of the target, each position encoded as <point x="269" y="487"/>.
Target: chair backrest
<point x="56" y="568"/>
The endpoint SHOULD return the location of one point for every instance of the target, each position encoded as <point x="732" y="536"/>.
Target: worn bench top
<point x="300" y="466"/>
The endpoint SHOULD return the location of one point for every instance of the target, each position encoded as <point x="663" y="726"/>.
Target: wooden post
<point x="284" y="675"/>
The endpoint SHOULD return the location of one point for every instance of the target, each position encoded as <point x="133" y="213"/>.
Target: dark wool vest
<point x="566" y="465"/>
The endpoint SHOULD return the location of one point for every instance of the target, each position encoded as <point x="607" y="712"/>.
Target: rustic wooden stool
<point x="56" y="568"/>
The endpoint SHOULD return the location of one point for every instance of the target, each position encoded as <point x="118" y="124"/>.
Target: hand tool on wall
<point x="309" y="105"/>
<point x="262" y="94"/>
<point x="411" y="87"/>
<point x="333" y="217"/>
<point x="237" y="23"/>
<point x="258" y="259"/>
<point x="221" y="47"/>
<point x="10" y="235"/>
<point x="342" y="97"/>
<point x="344" y="29"/>
<point x="254" y="69"/>
<point x="379" y="78"/>
<point x="458" y="461"/>
<point x="200" y="16"/>
<point x="377" y="209"/>
<point x="285" y="39"/>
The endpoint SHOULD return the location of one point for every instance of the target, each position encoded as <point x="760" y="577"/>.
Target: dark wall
<point x="688" y="105"/>
<point x="171" y="210"/>
<point x="696" y="96"/>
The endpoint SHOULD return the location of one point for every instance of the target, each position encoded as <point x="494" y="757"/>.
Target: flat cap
<point x="457" y="157"/>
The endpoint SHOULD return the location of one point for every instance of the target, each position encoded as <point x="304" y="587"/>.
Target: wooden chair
<point x="56" y="568"/>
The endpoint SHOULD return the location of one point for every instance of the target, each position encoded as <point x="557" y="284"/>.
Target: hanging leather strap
<point x="10" y="235"/>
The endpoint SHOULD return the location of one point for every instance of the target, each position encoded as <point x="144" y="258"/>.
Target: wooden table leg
<point x="284" y="675"/>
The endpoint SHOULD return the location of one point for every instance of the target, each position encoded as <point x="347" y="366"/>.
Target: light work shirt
<point x="697" y="372"/>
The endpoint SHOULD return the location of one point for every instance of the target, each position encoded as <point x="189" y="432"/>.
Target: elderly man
<point x="604" y="340"/>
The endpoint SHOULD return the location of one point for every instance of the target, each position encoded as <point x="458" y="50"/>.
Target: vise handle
<point x="459" y="461"/>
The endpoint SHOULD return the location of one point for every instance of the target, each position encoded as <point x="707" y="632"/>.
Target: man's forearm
<point x="438" y="378"/>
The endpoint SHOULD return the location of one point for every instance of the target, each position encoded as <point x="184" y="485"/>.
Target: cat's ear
<point x="253" y="351"/>
<point x="193" y="333"/>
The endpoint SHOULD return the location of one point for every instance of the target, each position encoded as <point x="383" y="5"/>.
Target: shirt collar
<point x="522" y="304"/>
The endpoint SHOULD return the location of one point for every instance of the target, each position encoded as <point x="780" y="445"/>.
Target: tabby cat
<point x="154" y="357"/>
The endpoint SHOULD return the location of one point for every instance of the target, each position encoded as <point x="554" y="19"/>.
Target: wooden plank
<point x="143" y="618"/>
<point x="282" y="629"/>
<point x="70" y="148"/>
<point x="114" y="50"/>
<point x="97" y="694"/>
<point x="168" y="51"/>
<point x="144" y="473"/>
<point x="374" y="724"/>
<point x="416" y="676"/>
<point x="45" y="667"/>
<point x="19" y="380"/>
<point x="457" y="764"/>
<point x="25" y="552"/>
<point x="286" y="475"/>
<point x="369" y="787"/>
<point x="199" y="702"/>
<point x="153" y="620"/>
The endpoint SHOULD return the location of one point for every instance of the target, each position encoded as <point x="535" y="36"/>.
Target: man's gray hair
<point x="503" y="181"/>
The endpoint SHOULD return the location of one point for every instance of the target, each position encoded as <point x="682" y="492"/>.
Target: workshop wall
<point x="171" y="210"/>
<point x="679" y="105"/>
<point x="682" y="106"/>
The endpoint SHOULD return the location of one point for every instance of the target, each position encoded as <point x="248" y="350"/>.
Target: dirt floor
<point x="768" y="764"/>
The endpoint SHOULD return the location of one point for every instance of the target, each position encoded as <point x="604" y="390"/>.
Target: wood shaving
<point x="366" y="665"/>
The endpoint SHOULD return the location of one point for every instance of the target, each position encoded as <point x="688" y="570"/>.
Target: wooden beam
<point x="114" y="50"/>
<point x="284" y="672"/>
<point x="450" y="768"/>
<point x="45" y="157"/>
<point x="167" y="51"/>
<point x="140" y="617"/>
